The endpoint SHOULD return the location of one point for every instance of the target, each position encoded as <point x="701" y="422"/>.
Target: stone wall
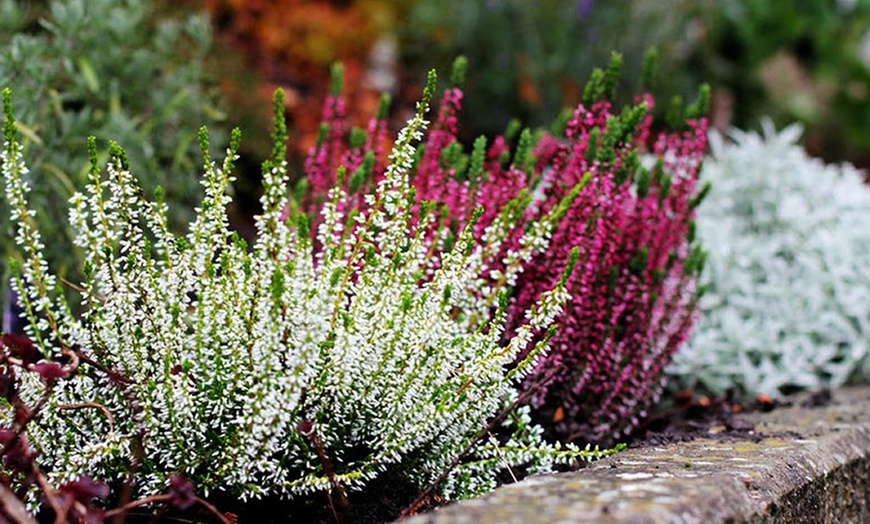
<point x="796" y="464"/>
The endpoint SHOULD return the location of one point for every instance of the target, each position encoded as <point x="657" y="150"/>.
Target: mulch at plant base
<point x="693" y="416"/>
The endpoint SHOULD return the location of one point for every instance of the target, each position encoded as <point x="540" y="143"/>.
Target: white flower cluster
<point x="788" y="273"/>
<point x="272" y="369"/>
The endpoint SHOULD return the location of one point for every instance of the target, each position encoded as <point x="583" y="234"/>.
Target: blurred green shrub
<point x="110" y="68"/>
<point x="530" y="59"/>
<point x="801" y="61"/>
<point x="794" y="61"/>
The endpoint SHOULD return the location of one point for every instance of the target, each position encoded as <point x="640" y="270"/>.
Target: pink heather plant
<point x="628" y="195"/>
<point x="355" y="152"/>
<point x="634" y="290"/>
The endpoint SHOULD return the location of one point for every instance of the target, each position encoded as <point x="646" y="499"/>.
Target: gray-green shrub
<point x="106" y="68"/>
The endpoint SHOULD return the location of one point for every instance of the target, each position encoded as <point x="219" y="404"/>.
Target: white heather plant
<point x="272" y="370"/>
<point x="787" y="304"/>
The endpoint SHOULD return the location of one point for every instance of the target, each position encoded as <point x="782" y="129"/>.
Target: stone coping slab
<point x="798" y="464"/>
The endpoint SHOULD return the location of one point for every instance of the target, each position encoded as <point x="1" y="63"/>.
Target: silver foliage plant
<point x="787" y="304"/>
<point x="273" y="369"/>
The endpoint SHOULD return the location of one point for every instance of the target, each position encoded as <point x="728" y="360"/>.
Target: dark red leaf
<point x="21" y="347"/>
<point x="181" y="491"/>
<point x="84" y="489"/>
<point x="48" y="370"/>
<point x="18" y="455"/>
<point x="305" y="427"/>
<point x="77" y="511"/>
<point x="6" y="436"/>
<point x="22" y="414"/>
<point x="8" y="383"/>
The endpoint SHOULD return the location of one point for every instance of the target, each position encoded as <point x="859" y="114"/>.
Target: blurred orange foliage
<point x="292" y="44"/>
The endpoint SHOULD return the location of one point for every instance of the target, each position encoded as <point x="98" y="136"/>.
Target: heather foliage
<point x="624" y="196"/>
<point x="788" y="300"/>
<point x="278" y="369"/>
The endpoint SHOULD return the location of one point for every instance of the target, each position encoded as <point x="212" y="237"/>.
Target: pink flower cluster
<point x="635" y="285"/>
<point x="359" y="154"/>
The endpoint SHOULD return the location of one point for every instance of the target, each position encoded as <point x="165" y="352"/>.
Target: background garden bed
<point x="798" y="463"/>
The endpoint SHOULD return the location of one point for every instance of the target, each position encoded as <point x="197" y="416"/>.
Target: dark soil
<point x="692" y="416"/>
<point x="382" y="501"/>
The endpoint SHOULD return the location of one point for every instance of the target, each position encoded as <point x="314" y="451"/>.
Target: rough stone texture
<point x="798" y="465"/>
